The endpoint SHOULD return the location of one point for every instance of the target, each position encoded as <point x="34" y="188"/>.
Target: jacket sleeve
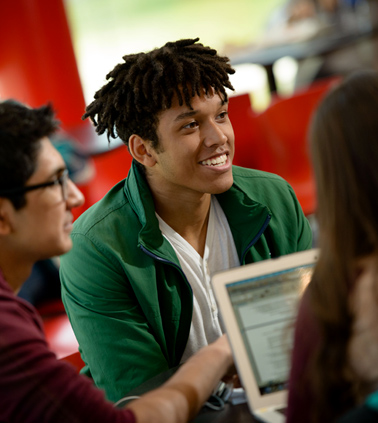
<point x="114" y="335"/>
<point x="289" y="230"/>
<point x="305" y="240"/>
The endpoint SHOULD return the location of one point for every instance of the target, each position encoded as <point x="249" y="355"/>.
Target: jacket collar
<point x="139" y="195"/>
<point x="245" y="215"/>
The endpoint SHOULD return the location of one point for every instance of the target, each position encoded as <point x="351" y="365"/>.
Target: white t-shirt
<point x="220" y="254"/>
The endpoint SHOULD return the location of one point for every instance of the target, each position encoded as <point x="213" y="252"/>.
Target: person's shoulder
<point x="259" y="183"/>
<point x="241" y="173"/>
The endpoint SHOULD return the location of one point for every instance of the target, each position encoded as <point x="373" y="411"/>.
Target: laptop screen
<point x="265" y="308"/>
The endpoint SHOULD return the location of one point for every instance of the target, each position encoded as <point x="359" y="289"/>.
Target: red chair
<point x="276" y="139"/>
<point x="110" y="167"/>
<point x="284" y="129"/>
<point x="248" y="145"/>
<point x="240" y="112"/>
<point x="58" y="330"/>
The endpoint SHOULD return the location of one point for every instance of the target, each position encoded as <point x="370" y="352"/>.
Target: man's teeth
<point x="219" y="161"/>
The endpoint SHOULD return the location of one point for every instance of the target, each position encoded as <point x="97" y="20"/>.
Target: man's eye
<point x="222" y="115"/>
<point x="191" y="125"/>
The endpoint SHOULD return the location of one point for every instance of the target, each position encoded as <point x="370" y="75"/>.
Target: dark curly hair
<point x="21" y="130"/>
<point x="146" y="83"/>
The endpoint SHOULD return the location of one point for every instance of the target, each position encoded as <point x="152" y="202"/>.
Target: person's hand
<point x="180" y="398"/>
<point x="231" y="375"/>
<point x="234" y="379"/>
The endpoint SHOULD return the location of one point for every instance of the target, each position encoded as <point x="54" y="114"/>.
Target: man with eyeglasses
<point x="32" y="169"/>
<point x="61" y="180"/>
<point x="36" y="199"/>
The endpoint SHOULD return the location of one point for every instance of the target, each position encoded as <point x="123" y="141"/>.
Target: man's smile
<point x="215" y="161"/>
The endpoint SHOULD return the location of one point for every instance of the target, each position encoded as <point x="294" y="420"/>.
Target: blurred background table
<point x="310" y="40"/>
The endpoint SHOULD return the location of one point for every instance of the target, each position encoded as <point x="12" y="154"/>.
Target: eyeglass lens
<point x="63" y="182"/>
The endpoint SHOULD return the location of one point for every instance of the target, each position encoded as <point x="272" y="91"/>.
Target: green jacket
<point x="127" y="298"/>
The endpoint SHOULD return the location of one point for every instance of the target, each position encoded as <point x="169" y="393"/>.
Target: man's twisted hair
<point x="145" y="84"/>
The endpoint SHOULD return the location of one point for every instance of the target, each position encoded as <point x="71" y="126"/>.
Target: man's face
<point x="41" y="229"/>
<point x="196" y="148"/>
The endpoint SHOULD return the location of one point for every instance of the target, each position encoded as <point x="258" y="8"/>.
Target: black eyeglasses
<point x="62" y="180"/>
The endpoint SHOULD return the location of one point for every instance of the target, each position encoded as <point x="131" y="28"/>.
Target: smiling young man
<point x="136" y="285"/>
<point x="36" y="200"/>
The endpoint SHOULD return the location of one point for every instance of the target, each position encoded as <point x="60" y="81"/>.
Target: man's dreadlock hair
<point x="146" y="83"/>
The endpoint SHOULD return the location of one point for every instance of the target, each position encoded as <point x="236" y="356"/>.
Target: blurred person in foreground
<point x="138" y="276"/>
<point x="335" y="356"/>
<point x="36" y="199"/>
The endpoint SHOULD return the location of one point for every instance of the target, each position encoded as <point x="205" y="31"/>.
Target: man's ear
<point x="6" y="209"/>
<point x="141" y="151"/>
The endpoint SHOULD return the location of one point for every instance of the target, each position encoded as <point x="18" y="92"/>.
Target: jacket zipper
<point x="256" y="238"/>
<point x="154" y="256"/>
<point x="251" y="244"/>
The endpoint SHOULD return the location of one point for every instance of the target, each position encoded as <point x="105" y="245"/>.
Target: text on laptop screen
<point x="265" y="308"/>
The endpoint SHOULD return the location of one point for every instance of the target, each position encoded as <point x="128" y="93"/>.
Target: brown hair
<point x="344" y="146"/>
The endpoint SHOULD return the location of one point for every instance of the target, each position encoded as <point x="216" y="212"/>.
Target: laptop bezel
<point x="220" y="281"/>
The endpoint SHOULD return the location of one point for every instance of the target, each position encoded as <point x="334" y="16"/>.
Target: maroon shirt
<point x="34" y="385"/>
<point x="300" y="401"/>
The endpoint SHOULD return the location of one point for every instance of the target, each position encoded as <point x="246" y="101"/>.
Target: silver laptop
<point x="258" y="306"/>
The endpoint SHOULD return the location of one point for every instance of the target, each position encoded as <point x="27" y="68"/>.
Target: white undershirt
<point x="220" y="254"/>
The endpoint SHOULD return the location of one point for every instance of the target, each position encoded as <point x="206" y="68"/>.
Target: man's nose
<point x="75" y="197"/>
<point x="214" y="134"/>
